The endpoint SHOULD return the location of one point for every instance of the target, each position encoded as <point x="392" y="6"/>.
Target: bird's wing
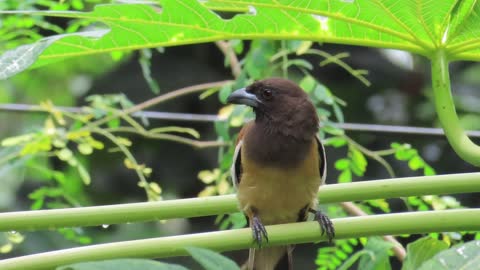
<point x="322" y="160"/>
<point x="236" y="169"/>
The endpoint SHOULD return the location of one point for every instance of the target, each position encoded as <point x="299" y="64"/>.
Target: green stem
<point x="447" y="115"/>
<point x="170" y="137"/>
<point x="162" y="98"/>
<point x="129" y="156"/>
<point x="284" y="60"/>
<point x="372" y="154"/>
<point x="303" y="232"/>
<point x="196" y="207"/>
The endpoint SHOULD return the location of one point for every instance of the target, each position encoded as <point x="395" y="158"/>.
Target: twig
<point x="194" y="143"/>
<point x="170" y="95"/>
<point x="398" y="249"/>
<point x="372" y="154"/>
<point x="229" y="53"/>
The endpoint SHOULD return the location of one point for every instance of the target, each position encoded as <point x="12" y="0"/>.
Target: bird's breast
<point x="278" y="193"/>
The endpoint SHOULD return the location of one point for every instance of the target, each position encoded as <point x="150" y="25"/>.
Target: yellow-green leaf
<point x="84" y="175"/>
<point x="12" y="141"/>
<point x="85" y="149"/>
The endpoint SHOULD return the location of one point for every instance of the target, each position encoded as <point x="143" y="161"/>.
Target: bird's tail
<point x="272" y="258"/>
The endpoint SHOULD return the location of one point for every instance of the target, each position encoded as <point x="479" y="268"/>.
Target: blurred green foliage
<point x="71" y="138"/>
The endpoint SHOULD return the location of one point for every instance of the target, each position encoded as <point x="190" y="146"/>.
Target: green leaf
<point x="300" y="63"/>
<point x="207" y="176"/>
<point x="333" y="130"/>
<point x="12" y="141"/>
<point x="345" y="176"/>
<point x="304" y="46"/>
<point x="224" y="93"/>
<point x="307" y="83"/>
<point x="405" y="154"/>
<point x="380" y="260"/>
<point x="323" y="94"/>
<point x="336" y="142"/>
<point x="352" y="259"/>
<point x="84" y="175"/>
<point x="427" y="170"/>
<point x="359" y="162"/>
<point x="338" y="112"/>
<point x="422" y="250"/>
<point x="185" y="130"/>
<point x="465" y="256"/>
<point x="114" y="123"/>
<point x="145" y="64"/>
<point x="342" y="164"/>
<point x="221" y="128"/>
<point x="122" y="264"/>
<point x="211" y="260"/>
<point x="416" y="26"/>
<point x="20" y="58"/>
<point x="416" y="163"/>
<point x="65" y="154"/>
<point x="85" y="148"/>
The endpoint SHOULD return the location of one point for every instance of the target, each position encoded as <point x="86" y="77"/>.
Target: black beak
<point x="241" y="96"/>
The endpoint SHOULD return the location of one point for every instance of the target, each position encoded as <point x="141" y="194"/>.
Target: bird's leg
<point x="258" y="230"/>
<point x="325" y="223"/>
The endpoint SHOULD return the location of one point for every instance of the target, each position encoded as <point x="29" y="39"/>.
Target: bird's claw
<point x="259" y="232"/>
<point x="325" y="224"/>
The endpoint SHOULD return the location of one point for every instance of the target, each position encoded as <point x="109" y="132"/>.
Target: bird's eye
<point x="267" y="94"/>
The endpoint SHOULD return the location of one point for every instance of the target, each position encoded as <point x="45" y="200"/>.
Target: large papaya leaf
<point x="419" y="26"/>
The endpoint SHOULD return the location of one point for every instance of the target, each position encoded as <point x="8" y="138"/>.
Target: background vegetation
<point x="115" y="143"/>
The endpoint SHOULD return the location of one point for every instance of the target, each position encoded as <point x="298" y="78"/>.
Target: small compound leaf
<point x="342" y="164"/>
<point x="21" y="58"/>
<point x="122" y="264"/>
<point x="422" y="250"/>
<point x="345" y="176"/>
<point x="336" y="142"/>
<point x="211" y="260"/>
<point x="465" y="256"/>
<point x="380" y="260"/>
<point x="18" y="59"/>
<point x="84" y="175"/>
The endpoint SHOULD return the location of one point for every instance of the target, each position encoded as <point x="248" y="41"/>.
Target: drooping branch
<point x="162" y="98"/>
<point x="456" y="135"/>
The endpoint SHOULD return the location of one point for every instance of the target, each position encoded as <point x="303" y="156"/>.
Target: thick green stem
<point x="304" y="232"/>
<point x="185" y="208"/>
<point x="456" y="135"/>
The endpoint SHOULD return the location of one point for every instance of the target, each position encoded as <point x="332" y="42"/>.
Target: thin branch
<point x="170" y="95"/>
<point x="284" y="234"/>
<point x="194" y="143"/>
<point x="372" y="155"/>
<point x="398" y="249"/>
<point x="129" y="155"/>
<point x="229" y="53"/>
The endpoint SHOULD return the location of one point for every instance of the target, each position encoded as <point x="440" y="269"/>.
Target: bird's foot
<point x="325" y="224"/>
<point x="258" y="231"/>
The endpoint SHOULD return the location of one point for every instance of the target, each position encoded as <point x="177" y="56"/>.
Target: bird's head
<point x="278" y="101"/>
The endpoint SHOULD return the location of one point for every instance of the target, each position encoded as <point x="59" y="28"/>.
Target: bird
<point x="278" y="166"/>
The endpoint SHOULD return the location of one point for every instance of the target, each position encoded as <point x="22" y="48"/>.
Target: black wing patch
<point x="322" y="159"/>
<point x="236" y="169"/>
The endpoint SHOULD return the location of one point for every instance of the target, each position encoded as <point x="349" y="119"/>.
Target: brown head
<point x="280" y="106"/>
